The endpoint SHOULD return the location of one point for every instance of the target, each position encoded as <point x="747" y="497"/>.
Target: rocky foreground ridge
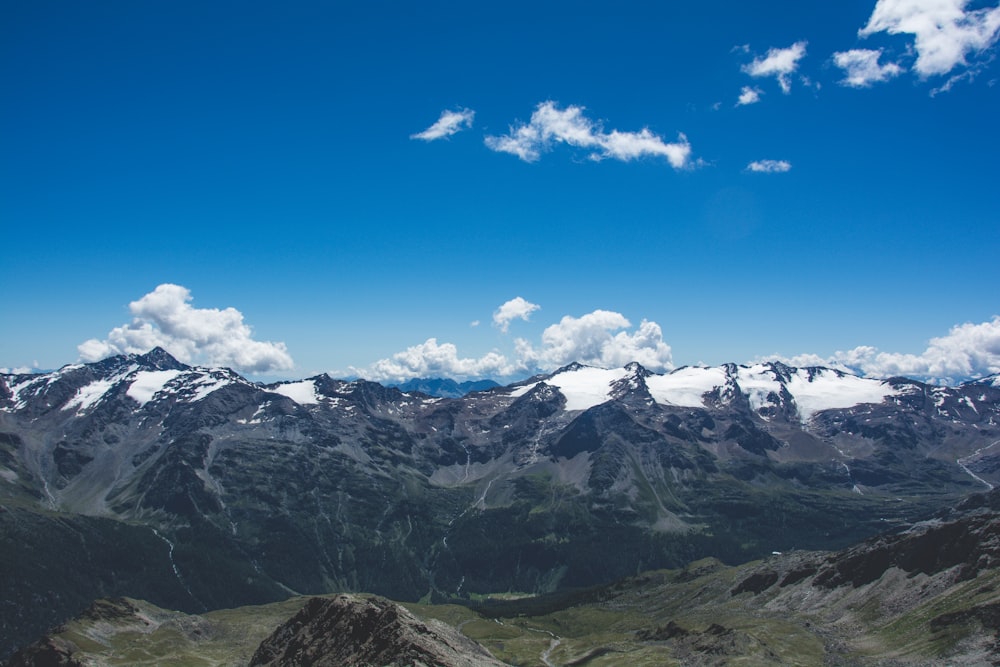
<point x="198" y="489"/>
<point x="925" y="595"/>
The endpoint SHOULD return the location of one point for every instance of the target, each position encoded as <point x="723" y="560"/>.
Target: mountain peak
<point x="353" y="630"/>
<point x="569" y="368"/>
<point x="635" y="368"/>
<point x="160" y="360"/>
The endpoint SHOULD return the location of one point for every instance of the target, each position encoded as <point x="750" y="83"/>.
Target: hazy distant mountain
<point x="226" y="492"/>
<point x="445" y="388"/>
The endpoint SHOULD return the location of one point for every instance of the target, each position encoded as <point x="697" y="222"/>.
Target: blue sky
<point x="266" y="161"/>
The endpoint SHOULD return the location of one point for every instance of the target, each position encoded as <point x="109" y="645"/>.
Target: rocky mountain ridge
<point x="243" y="493"/>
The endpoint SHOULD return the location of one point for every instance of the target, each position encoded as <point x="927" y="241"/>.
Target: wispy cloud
<point x="779" y="63"/>
<point x="944" y="31"/>
<point x="450" y="122"/>
<point x="967" y="350"/>
<point x="862" y="69"/>
<point x="749" y="95"/>
<point x="769" y="166"/>
<point x="515" y="309"/>
<point x="551" y="125"/>
<point x="194" y="335"/>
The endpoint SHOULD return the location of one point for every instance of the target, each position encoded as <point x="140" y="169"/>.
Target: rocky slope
<point x="240" y="493"/>
<point x="353" y="630"/>
<point x="924" y="595"/>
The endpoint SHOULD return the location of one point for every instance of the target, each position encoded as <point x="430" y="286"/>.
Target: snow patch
<point x="828" y="390"/>
<point x="685" y="387"/>
<point x="521" y="391"/>
<point x="148" y="383"/>
<point x="206" y="385"/>
<point x="586" y="387"/>
<point x="89" y="395"/>
<point x="302" y="392"/>
<point x="758" y="382"/>
<point x="19" y="393"/>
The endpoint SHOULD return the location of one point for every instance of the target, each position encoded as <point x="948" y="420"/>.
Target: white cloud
<point x="779" y="63"/>
<point x="474" y="323"/>
<point x="600" y="338"/>
<point x="862" y="69"/>
<point x="944" y="31"/>
<point x="550" y="125"/>
<point x="770" y="166"/>
<point x="431" y="359"/>
<point x="749" y="95"/>
<point x="448" y="124"/>
<point x="591" y="340"/>
<point x="968" y="350"/>
<point x="516" y="308"/>
<point x="194" y="335"/>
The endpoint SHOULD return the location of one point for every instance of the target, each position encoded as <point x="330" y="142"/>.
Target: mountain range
<point x="196" y="489"/>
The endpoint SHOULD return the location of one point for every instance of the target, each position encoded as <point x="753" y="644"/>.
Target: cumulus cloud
<point x="600" y="338"/>
<point x="592" y="340"/>
<point x="967" y="351"/>
<point x="749" y="95"/>
<point x="779" y="63"/>
<point x="20" y="370"/>
<point x="450" y="122"/>
<point x="769" y="166"/>
<point x="862" y="69"/>
<point x="433" y="359"/>
<point x="516" y="308"/>
<point x="944" y="31"/>
<point x="165" y="318"/>
<point x="551" y="125"/>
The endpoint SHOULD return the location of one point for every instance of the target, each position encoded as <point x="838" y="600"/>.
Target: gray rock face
<point x="355" y="630"/>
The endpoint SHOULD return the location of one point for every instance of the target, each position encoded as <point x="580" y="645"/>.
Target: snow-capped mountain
<point x="244" y="491"/>
<point x="767" y="388"/>
<point x="989" y="380"/>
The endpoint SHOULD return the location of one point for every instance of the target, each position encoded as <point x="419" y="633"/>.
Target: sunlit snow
<point x="206" y="385"/>
<point x="521" y="391"/>
<point x="685" y="387"/>
<point x="758" y="382"/>
<point x="89" y="395"/>
<point x="303" y="392"/>
<point x="827" y="391"/>
<point x="19" y="393"/>
<point x="148" y="383"/>
<point x="586" y="387"/>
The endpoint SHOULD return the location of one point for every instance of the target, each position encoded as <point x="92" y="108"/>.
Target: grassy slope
<point x="680" y="617"/>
